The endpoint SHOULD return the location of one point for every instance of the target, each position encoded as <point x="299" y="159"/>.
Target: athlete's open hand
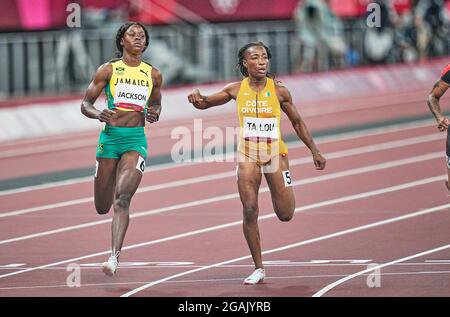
<point x="443" y="124"/>
<point x="106" y="115"/>
<point x="319" y="161"/>
<point x="152" y="115"/>
<point x="197" y="99"/>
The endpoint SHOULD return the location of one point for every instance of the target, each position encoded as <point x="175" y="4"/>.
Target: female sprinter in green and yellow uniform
<point x="132" y="89"/>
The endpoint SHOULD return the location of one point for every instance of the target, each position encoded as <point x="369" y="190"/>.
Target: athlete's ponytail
<point x="121" y="32"/>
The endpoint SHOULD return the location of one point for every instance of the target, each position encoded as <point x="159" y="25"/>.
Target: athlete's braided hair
<point x="121" y="32"/>
<point x="241" y="56"/>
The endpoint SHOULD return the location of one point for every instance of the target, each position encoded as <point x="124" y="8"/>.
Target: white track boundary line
<point x="195" y="203"/>
<point x="150" y="267"/>
<point x="295" y="144"/>
<point x="218" y="280"/>
<point x="294" y="245"/>
<point x="236" y="223"/>
<point x="196" y="180"/>
<point x="377" y="267"/>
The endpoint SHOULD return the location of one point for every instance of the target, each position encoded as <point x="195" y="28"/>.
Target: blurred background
<point x="324" y="51"/>
<point x="197" y="40"/>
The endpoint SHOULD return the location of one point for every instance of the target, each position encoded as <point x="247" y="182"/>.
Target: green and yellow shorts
<point x="113" y="142"/>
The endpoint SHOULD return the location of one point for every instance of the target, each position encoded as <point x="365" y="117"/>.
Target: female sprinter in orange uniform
<point x="260" y="100"/>
<point x="132" y="89"/>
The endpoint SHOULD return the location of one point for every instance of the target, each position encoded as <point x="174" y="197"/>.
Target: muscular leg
<point x="249" y="180"/>
<point x="283" y="199"/>
<point x="127" y="182"/>
<point x="448" y="179"/>
<point x="104" y="184"/>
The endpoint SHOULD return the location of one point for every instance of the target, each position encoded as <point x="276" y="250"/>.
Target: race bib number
<point x="287" y="179"/>
<point x="260" y="128"/>
<point x="127" y="94"/>
<point x="140" y="164"/>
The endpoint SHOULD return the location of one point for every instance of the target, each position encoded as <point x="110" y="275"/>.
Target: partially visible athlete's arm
<point x="439" y="89"/>
<point x="200" y="101"/>
<point x="299" y="125"/>
<point x="154" y="109"/>
<point x="98" y="83"/>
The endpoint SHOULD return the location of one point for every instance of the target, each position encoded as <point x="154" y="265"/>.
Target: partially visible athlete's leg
<point x="128" y="176"/>
<point x="447" y="151"/>
<point x="447" y="182"/>
<point x="104" y="184"/>
<point x="448" y="179"/>
<point x="249" y="180"/>
<point x="280" y="184"/>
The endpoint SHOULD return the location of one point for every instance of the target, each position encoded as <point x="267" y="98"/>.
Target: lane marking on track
<point x="294" y="245"/>
<point x="195" y="180"/>
<point x="377" y="267"/>
<point x="268" y="216"/>
<point x="319" y="140"/>
<point x="219" y="280"/>
<point x="63" y="146"/>
<point x="145" y="265"/>
<point x="12" y="265"/>
<point x="306" y="181"/>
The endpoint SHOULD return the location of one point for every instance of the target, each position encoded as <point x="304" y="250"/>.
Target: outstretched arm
<point x="98" y="83"/>
<point x="439" y="89"/>
<point x="299" y="125"/>
<point x="216" y="99"/>
<point x="154" y="109"/>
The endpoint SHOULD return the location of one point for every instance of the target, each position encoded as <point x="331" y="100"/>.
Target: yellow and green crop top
<point x="129" y="88"/>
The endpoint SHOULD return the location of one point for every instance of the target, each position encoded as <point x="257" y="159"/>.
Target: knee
<point x="122" y="201"/>
<point x="102" y="209"/>
<point x="250" y="214"/>
<point x="286" y="217"/>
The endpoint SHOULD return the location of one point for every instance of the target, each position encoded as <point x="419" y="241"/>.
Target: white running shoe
<point x="256" y="277"/>
<point x="110" y="267"/>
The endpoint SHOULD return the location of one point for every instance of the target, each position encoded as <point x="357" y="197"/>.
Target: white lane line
<point x="12" y="266"/>
<point x="320" y="140"/>
<point x="378" y="267"/>
<point x="195" y="203"/>
<point x="122" y="266"/>
<point x="196" y="180"/>
<point x="238" y="223"/>
<point x="159" y="267"/>
<point x="294" y="245"/>
<point x="79" y="180"/>
<point x="71" y="145"/>
<point x="218" y="280"/>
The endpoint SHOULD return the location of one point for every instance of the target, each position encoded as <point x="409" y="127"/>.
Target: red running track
<point x="381" y="201"/>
